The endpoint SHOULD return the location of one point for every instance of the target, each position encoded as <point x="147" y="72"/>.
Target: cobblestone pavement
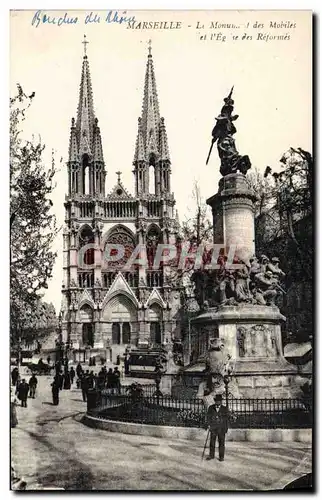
<point x="51" y="448"/>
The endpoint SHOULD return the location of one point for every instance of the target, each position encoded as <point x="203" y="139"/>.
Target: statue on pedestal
<point x="223" y="131"/>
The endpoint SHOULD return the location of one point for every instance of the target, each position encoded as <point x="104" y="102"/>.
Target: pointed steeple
<point x="151" y="126"/>
<point x="151" y="143"/>
<point x="139" y="154"/>
<point x="86" y="160"/>
<point x="85" y="111"/>
<point x="150" y="109"/>
<point x="164" y="148"/>
<point x="73" y="150"/>
<point x="98" y="150"/>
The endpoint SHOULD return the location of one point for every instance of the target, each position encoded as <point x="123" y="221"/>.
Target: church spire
<point x="151" y="143"/>
<point x="86" y="162"/>
<point x="150" y="109"/>
<point x="85" y="111"/>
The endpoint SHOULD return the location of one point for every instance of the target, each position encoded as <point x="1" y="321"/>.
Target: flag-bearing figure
<point x="217" y="421"/>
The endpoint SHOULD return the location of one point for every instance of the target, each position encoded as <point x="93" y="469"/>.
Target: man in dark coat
<point x="117" y="379"/>
<point x="55" y="388"/>
<point x="60" y="378"/>
<point x="33" y="381"/>
<point x="23" y="390"/>
<point x="66" y="379"/>
<point x="217" y="420"/>
<point x="84" y="385"/>
<point x="72" y="375"/>
<point x="79" y="370"/>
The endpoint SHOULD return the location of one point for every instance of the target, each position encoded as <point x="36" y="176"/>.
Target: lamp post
<point x="157" y="378"/>
<point x="227" y="379"/>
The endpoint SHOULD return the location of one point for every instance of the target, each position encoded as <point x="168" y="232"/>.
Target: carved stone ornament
<point x="73" y="283"/>
<point x="74" y="226"/>
<point x="256" y="341"/>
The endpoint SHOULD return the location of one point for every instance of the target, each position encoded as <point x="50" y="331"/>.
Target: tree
<point x="42" y="322"/>
<point x="195" y="230"/>
<point x="283" y="227"/>
<point x="284" y="200"/>
<point x="32" y="223"/>
<point x="198" y="227"/>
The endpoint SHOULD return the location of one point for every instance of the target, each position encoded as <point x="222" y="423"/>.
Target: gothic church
<point x="104" y="309"/>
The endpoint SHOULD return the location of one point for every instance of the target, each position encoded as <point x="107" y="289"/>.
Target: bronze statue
<point x="266" y="287"/>
<point x="223" y="131"/>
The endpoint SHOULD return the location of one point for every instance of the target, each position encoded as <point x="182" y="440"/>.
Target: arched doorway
<point x="116" y="333"/>
<point x="86" y="318"/>
<point x="155" y="317"/>
<point x="120" y="314"/>
<point x="126" y="333"/>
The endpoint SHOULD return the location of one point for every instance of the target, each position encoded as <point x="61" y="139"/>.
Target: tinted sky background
<point x="272" y="93"/>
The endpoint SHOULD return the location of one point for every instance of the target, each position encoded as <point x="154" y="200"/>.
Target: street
<point x="52" y="448"/>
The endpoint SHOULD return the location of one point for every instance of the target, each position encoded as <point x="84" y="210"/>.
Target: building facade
<point x="107" y="307"/>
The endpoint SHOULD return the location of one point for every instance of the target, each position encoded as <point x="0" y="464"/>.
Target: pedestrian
<point x="118" y="360"/>
<point x="79" y="370"/>
<point x="101" y="379"/>
<point x="72" y="375"/>
<point x="57" y="367"/>
<point x="127" y="364"/>
<point x="60" y="379"/>
<point x="66" y="380"/>
<point x="117" y="379"/>
<point x="91" y="380"/>
<point x="23" y="390"/>
<point x="14" y="375"/>
<point x="48" y="360"/>
<point x="84" y="386"/>
<point x="33" y="381"/>
<point x="13" y="409"/>
<point x="110" y="380"/>
<point x="94" y="361"/>
<point x="55" y="388"/>
<point x="217" y="420"/>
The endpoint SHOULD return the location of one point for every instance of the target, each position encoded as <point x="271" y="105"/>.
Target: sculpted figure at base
<point x="256" y="281"/>
<point x="265" y="288"/>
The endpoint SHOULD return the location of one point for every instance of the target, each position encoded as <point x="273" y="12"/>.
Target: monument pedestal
<point x="251" y="335"/>
<point x="233" y="214"/>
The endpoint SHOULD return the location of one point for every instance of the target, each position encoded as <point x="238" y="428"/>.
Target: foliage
<point x="42" y="322"/>
<point x="197" y="228"/>
<point x="285" y="199"/>
<point x="32" y="224"/>
<point x="283" y="227"/>
<point x="191" y="418"/>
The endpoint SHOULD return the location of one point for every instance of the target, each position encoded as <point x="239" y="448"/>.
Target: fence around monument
<point x="166" y="410"/>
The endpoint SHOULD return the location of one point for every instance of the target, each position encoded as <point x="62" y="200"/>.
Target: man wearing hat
<point x="217" y="420"/>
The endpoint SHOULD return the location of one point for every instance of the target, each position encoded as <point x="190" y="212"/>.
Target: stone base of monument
<point x="251" y="338"/>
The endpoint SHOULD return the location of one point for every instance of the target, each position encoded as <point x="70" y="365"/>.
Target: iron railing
<point x="155" y="409"/>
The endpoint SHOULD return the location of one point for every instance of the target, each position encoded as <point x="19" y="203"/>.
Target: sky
<point x="272" y="91"/>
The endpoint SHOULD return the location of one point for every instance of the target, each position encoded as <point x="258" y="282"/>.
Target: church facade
<point x="104" y="307"/>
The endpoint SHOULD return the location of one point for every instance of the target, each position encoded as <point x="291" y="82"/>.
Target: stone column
<point x="233" y="215"/>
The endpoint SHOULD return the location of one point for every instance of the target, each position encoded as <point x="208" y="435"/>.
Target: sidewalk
<point x="52" y="448"/>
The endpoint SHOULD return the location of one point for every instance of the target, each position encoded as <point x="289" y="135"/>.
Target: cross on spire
<point x="85" y="42"/>
<point x="118" y="173"/>
<point x="150" y="48"/>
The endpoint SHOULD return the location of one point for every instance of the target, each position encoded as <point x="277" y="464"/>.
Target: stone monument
<point x="237" y="302"/>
